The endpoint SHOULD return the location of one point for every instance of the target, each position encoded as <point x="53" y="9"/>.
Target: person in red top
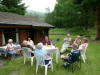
<point x="46" y="41"/>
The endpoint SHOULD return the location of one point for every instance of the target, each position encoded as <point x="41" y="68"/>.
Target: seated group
<point x="77" y="45"/>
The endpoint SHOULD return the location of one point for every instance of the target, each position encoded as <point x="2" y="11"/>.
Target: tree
<point x="95" y="6"/>
<point x="14" y="6"/>
<point x="71" y="13"/>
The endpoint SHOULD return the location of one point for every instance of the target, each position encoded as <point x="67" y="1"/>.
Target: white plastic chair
<point x="83" y="53"/>
<point x="27" y="54"/>
<point x="40" y="59"/>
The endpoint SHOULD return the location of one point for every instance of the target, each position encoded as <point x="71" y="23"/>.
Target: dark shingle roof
<point x="15" y="19"/>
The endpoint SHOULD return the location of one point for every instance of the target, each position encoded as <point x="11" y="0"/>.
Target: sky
<point x="40" y="5"/>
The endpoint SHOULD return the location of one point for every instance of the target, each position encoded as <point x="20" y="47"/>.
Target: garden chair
<point x="83" y="53"/>
<point x="40" y="59"/>
<point x="27" y="54"/>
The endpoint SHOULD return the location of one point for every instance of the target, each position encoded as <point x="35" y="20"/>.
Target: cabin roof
<point x="15" y="19"/>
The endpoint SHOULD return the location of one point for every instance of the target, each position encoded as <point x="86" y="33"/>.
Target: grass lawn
<point x="91" y="67"/>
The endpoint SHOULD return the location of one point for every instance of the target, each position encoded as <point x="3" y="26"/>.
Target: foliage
<point x="72" y="13"/>
<point x="14" y="6"/>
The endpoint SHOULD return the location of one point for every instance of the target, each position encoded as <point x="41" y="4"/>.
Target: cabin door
<point x="31" y="34"/>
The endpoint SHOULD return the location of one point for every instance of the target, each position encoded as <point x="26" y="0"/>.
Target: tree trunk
<point x="98" y="23"/>
<point x="86" y="27"/>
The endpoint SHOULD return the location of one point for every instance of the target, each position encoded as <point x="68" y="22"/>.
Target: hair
<point x="85" y="40"/>
<point x="29" y="38"/>
<point x="10" y="40"/>
<point x="78" y="36"/>
<point x="39" y="46"/>
<point x="24" y="43"/>
<point x="75" y="46"/>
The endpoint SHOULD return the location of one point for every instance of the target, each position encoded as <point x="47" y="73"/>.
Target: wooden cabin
<point x="19" y="28"/>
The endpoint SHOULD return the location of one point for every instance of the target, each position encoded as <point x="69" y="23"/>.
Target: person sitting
<point x="10" y="48"/>
<point x="83" y="45"/>
<point x="31" y="43"/>
<point x="78" y="41"/>
<point x="83" y="48"/>
<point x="66" y="44"/>
<point x="39" y="50"/>
<point x="69" y="57"/>
<point x="46" y="41"/>
<point x="25" y="44"/>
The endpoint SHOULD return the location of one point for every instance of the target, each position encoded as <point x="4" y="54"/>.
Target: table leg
<point x="57" y="54"/>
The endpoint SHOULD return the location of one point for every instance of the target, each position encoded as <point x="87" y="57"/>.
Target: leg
<point x="64" y="47"/>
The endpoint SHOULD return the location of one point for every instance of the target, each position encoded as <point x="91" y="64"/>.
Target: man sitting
<point x="69" y="58"/>
<point x="39" y="50"/>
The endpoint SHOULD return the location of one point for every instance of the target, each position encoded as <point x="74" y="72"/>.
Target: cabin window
<point x="10" y="34"/>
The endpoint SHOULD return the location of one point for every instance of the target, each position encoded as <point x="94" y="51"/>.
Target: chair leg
<point x="83" y="56"/>
<point x="46" y="67"/>
<point x="31" y="61"/>
<point x="36" y="68"/>
<point x="51" y="66"/>
<point x="24" y="60"/>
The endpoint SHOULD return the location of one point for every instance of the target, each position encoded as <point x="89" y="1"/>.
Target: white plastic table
<point x="52" y="49"/>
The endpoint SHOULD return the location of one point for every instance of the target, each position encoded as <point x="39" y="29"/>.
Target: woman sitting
<point x="66" y="44"/>
<point x="78" y="41"/>
<point x="83" y="48"/>
<point x="83" y="45"/>
<point x="39" y="50"/>
<point x="25" y="44"/>
<point x="10" y="48"/>
<point x="46" y="41"/>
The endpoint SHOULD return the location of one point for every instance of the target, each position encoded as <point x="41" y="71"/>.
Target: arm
<point x="82" y="49"/>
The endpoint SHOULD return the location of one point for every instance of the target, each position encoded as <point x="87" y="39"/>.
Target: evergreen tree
<point x="14" y="6"/>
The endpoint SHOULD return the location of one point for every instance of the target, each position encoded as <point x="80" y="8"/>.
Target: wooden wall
<point x="0" y="37"/>
<point x="23" y="35"/>
<point x="39" y="35"/>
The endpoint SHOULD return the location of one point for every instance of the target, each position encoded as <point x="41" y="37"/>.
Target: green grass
<point x="91" y="67"/>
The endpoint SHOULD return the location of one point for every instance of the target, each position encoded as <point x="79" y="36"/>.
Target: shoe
<point x="65" y="65"/>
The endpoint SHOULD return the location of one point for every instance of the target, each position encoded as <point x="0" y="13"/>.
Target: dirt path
<point x="2" y="62"/>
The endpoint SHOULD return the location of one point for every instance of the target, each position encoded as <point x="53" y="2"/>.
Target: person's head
<point x="29" y="39"/>
<point x="46" y="38"/>
<point x="39" y="46"/>
<point x="10" y="41"/>
<point x="25" y="43"/>
<point x="68" y="35"/>
<point x="78" y="37"/>
<point x="84" y="40"/>
<point x="75" y="46"/>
